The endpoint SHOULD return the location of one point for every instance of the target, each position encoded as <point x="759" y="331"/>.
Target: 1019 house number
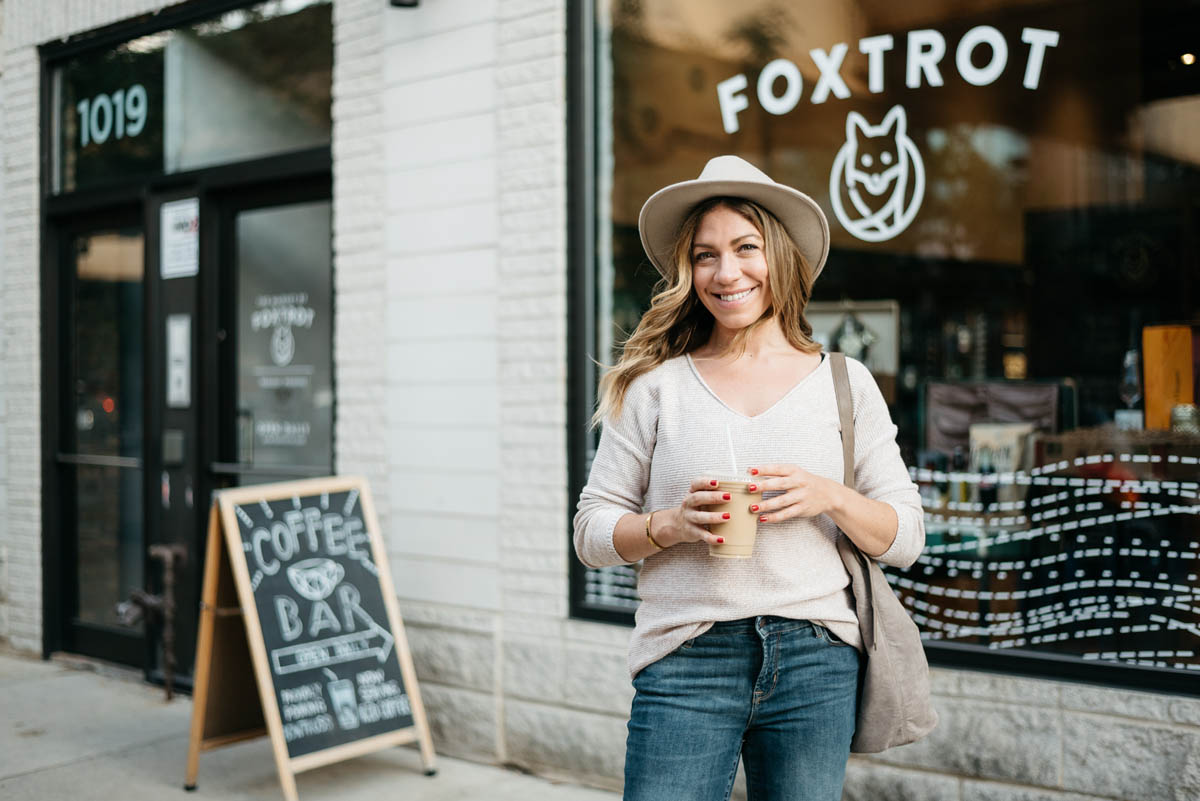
<point x="126" y="108"/>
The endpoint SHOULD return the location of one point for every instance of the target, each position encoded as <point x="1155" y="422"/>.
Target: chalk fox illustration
<point x="873" y="169"/>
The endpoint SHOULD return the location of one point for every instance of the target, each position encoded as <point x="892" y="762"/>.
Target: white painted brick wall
<point x="531" y="126"/>
<point x="473" y="237"/>
<point x="439" y="214"/>
<point x="358" y="228"/>
<point x="6" y="545"/>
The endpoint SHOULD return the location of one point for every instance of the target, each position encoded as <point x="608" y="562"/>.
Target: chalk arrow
<point x="376" y="642"/>
<point x="388" y="640"/>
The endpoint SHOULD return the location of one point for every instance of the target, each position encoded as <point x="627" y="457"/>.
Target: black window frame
<point x="582" y="49"/>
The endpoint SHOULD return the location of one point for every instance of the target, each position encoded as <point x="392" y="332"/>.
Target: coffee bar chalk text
<point x="925" y="51"/>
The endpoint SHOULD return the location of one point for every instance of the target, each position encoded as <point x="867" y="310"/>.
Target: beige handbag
<point x="894" y="707"/>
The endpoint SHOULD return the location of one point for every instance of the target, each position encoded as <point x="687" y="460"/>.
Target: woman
<point x="755" y="657"/>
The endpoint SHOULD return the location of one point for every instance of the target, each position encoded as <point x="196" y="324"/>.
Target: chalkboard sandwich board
<point x="301" y="599"/>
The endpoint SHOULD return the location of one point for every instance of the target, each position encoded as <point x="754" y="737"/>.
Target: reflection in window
<point x="106" y="418"/>
<point x="252" y="82"/>
<point x="106" y="330"/>
<point x="1014" y="257"/>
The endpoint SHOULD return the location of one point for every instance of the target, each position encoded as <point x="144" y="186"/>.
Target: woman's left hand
<point x="804" y="494"/>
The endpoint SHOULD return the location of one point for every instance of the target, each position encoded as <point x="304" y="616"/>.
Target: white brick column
<point x="22" y="570"/>
<point x="566" y="688"/>
<point x="440" y="427"/>
<point x="358" y="237"/>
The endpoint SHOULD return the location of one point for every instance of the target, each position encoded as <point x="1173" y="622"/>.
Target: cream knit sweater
<point x="671" y="430"/>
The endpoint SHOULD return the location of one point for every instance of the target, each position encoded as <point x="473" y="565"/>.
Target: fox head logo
<point x="878" y="179"/>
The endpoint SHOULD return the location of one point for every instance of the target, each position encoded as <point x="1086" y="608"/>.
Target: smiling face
<point x="729" y="269"/>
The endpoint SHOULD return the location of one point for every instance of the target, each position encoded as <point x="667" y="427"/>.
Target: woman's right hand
<point x="688" y="522"/>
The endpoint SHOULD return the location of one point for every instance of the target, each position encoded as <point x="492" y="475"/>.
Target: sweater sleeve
<point x="620" y="473"/>
<point x="879" y="470"/>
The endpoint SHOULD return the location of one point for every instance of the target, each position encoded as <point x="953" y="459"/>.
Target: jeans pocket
<point x="829" y="637"/>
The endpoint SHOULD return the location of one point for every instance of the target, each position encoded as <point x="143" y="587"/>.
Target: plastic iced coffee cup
<point x="740" y="529"/>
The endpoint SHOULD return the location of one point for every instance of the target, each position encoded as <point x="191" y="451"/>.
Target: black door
<point x="241" y="368"/>
<point x="274" y="334"/>
<point x="98" y="453"/>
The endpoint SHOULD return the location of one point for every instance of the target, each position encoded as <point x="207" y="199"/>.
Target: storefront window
<point x="246" y="84"/>
<point x="1010" y="190"/>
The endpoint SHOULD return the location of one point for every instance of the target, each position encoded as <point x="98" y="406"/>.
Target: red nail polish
<point x="725" y="516"/>
<point x="713" y="483"/>
<point x="726" y="496"/>
<point x="754" y="507"/>
<point x="762" y="518"/>
<point x="720" y="539"/>
<point x="752" y="488"/>
<point x="754" y="471"/>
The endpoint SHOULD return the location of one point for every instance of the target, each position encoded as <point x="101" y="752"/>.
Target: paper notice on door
<point x="179" y="233"/>
<point x="179" y="361"/>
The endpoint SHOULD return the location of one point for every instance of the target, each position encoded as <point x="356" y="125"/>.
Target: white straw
<point x="732" y="456"/>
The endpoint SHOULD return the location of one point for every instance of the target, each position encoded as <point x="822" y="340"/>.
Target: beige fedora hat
<point x="730" y="176"/>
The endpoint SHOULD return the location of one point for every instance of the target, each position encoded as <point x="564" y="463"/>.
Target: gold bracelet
<point x="650" y="517"/>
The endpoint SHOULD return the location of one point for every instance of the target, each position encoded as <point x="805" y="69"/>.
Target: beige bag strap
<point x="845" y="404"/>
<point x="894" y="706"/>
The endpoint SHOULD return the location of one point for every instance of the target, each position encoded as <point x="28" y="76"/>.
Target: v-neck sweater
<point x="671" y="430"/>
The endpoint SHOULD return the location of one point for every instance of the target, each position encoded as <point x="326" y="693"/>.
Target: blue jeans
<point x="782" y="694"/>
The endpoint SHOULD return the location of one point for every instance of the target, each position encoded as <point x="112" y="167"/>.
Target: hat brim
<point x="663" y="215"/>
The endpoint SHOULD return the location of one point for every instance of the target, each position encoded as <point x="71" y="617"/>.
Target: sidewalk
<point x="74" y="734"/>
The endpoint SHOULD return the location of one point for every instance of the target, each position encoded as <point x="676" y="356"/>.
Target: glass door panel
<point x="108" y="525"/>
<point x="102" y="454"/>
<point x="284" y="370"/>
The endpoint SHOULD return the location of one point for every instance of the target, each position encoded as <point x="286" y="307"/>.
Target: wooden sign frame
<point x="224" y="709"/>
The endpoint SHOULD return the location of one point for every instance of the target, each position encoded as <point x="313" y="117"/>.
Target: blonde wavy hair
<point x="677" y="322"/>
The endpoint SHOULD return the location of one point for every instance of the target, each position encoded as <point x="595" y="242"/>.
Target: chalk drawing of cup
<point x="345" y="704"/>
